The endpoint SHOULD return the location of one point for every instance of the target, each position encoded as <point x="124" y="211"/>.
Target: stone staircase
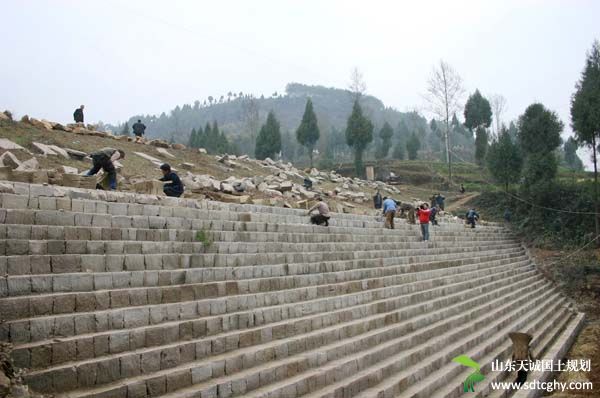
<point x="121" y="295"/>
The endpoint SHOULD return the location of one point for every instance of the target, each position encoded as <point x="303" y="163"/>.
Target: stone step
<point x="556" y="352"/>
<point x="18" y="247"/>
<point x="72" y="219"/>
<point x="256" y="214"/>
<point x="447" y="381"/>
<point x="236" y="311"/>
<point x="34" y="191"/>
<point x="84" y="301"/>
<point x="72" y="263"/>
<point x="294" y="375"/>
<point x="292" y="353"/>
<point x="19" y="285"/>
<point x="391" y="376"/>
<point x="50" y="232"/>
<point x="39" y="353"/>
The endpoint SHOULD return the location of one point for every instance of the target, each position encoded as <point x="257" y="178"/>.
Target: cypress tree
<point x="359" y="133"/>
<point x="268" y="141"/>
<point x="308" y="133"/>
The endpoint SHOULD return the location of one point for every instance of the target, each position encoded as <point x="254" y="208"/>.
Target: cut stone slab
<point x="187" y="166"/>
<point x="68" y="170"/>
<point x="152" y="159"/>
<point x="164" y="152"/>
<point x="8" y="159"/>
<point x="9" y="145"/>
<point x="43" y="149"/>
<point x="150" y="187"/>
<point x="62" y="152"/>
<point x="75" y="154"/>
<point x="29" y="165"/>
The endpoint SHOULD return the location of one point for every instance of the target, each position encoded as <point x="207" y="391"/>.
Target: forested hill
<point x="240" y="115"/>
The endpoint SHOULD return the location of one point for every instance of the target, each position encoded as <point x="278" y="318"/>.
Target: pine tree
<point x="385" y="134"/>
<point x="200" y="140"/>
<point x="193" y="139"/>
<point x="308" y="131"/>
<point x="571" y="159"/>
<point x="125" y="130"/>
<point x="504" y="160"/>
<point x="481" y="144"/>
<point x="585" y="115"/>
<point x="478" y="111"/>
<point x="359" y="133"/>
<point x="539" y="137"/>
<point x="398" y="152"/>
<point x="412" y="146"/>
<point x="268" y="142"/>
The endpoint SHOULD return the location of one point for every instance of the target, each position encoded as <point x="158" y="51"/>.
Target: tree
<point x="398" y="152"/>
<point x="481" y="144"/>
<point x="571" y="159"/>
<point x="585" y="114"/>
<point x="357" y="84"/>
<point x="498" y="103"/>
<point x="539" y="137"/>
<point x="444" y="94"/>
<point x="478" y="112"/>
<point x="268" y="142"/>
<point x="308" y="130"/>
<point x="412" y="146"/>
<point x="385" y="134"/>
<point x="504" y="160"/>
<point x="359" y="133"/>
<point x="193" y="139"/>
<point x="125" y="130"/>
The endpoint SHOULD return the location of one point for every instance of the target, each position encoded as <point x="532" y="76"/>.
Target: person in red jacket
<point x="423" y="213"/>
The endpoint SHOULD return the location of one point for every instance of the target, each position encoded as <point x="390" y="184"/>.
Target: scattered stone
<point x="43" y="149"/>
<point x="9" y="145"/>
<point x="8" y="114"/>
<point x="187" y="166"/>
<point x="150" y="187"/>
<point x="159" y="143"/>
<point x="8" y="159"/>
<point x="164" y="152"/>
<point x="40" y="124"/>
<point x="227" y="188"/>
<point x="178" y="146"/>
<point x="68" y="170"/>
<point x="202" y="150"/>
<point x="75" y="154"/>
<point x="62" y="152"/>
<point x="29" y="165"/>
<point x="154" y="160"/>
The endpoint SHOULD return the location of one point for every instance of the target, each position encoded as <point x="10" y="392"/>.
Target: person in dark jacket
<point x="377" y="200"/>
<point x="472" y="216"/>
<point x="434" y="211"/>
<point x="103" y="159"/>
<point x="440" y="200"/>
<point x="175" y="186"/>
<point x="78" y="114"/>
<point x="139" y="129"/>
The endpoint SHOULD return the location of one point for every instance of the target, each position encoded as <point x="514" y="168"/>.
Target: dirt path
<point x="460" y="202"/>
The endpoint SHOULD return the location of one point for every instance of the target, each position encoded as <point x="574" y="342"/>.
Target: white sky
<point x="121" y="58"/>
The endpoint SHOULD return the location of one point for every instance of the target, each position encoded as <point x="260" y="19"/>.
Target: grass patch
<point x="204" y="237"/>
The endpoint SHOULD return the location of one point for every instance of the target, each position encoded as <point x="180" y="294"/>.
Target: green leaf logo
<point x="475" y="377"/>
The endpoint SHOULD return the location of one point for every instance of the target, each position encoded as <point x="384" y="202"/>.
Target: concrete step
<point x="293" y="351"/>
<point x="236" y="311"/>
<point x="295" y="375"/>
<point x="447" y="381"/>
<point x="18" y="247"/>
<point x="40" y="354"/>
<point x="51" y="232"/>
<point x="35" y="191"/>
<point x="19" y="285"/>
<point x="392" y="376"/>
<point x="70" y="263"/>
<point x="257" y="214"/>
<point x="80" y="219"/>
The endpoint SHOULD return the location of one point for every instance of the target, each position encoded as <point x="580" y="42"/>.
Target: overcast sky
<point x="121" y="58"/>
